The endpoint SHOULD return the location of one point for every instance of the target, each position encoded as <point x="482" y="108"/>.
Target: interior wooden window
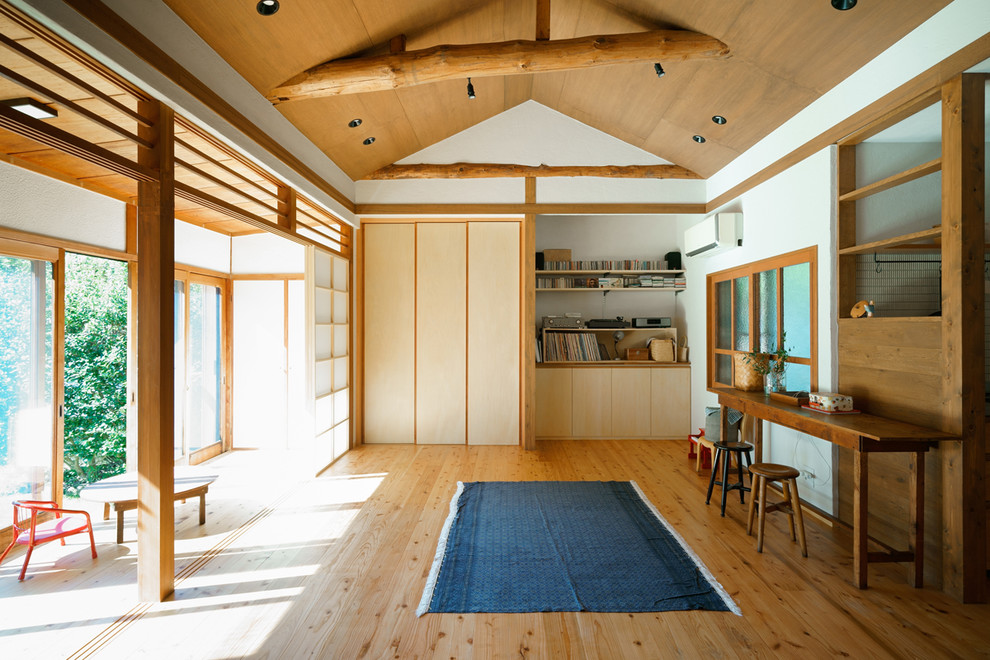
<point x="758" y="305"/>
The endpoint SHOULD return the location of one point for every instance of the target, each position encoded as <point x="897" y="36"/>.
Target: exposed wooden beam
<point x="543" y="20"/>
<point x="493" y="170"/>
<point x="446" y="62"/>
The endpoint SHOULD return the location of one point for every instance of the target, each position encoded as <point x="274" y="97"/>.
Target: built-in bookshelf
<point x="597" y="344"/>
<point x="631" y="280"/>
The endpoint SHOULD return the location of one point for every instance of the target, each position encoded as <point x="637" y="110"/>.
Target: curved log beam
<point x="416" y="67"/>
<point x="494" y="170"/>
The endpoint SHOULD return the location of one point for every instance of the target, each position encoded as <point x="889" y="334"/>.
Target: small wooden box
<point x="557" y="255"/>
<point x="790" y="398"/>
<point x="637" y="354"/>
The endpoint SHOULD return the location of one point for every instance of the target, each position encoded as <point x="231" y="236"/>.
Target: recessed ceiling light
<point x="368" y="141"/>
<point x="699" y="139"/>
<point x="31" y="108"/>
<point x="843" y="5"/>
<point x="267" y="7"/>
<point x="719" y="119"/>
<point x="354" y="123"/>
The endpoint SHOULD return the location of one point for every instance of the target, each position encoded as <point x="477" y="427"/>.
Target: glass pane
<point x="203" y="367"/>
<point x="95" y="421"/>
<point x="797" y="309"/>
<point x="179" y="367"/>
<point x="723" y="324"/>
<point x="723" y="369"/>
<point x="797" y="377"/>
<point x="741" y="313"/>
<point x="766" y="309"/>
<point x="26" y="340"/>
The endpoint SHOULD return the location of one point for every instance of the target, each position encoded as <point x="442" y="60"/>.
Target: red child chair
<point x="703" y="453"/>
<point x="31" y="533"/>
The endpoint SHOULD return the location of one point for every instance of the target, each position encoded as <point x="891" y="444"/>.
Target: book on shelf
<point x="572" y="347"/>
<point x="604" y="265"/>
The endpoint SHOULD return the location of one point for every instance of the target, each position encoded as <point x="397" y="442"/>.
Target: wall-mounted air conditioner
<point x="716" y="233"/>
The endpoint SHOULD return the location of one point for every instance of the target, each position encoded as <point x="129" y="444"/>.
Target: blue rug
<point x="564" y="546"/>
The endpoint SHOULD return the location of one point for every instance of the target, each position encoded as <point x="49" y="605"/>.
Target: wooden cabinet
<point x="613" y="402"/>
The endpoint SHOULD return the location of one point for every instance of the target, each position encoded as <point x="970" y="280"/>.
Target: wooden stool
<point x="791" y="505"/>
<point x="723" y="451"/>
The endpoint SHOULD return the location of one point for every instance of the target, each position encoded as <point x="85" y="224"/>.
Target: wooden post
<point x="156" y="255"/>
<point x="964" y="516"/>
<point x="528" y="371"/>
<point x="287" y="207"/>
<point x="543" y="20"/>
<point x="846" y="267"/>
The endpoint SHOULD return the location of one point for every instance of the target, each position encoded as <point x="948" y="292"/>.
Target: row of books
<point x="643" y="281"/>
<point x="571" y="347"/>
<point x="658" y="281"/>
<point x="628" y="264"/>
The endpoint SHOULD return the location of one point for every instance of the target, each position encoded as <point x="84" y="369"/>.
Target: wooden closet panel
<point x="631" y="403"/>
<point x="441" y="333"/>
<point x="493" y="333"/>
<point x="592" y="413"/>
<point x="389" y="342"/>
<point x="553" y="403"/>
<point x="671" y="407"/>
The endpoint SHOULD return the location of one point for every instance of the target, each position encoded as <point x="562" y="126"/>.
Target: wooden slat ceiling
<point x="784" y="56"/>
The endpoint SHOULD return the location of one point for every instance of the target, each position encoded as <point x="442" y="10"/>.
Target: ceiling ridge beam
<point x="446" y="62"/>
<point x="501" y="170"/>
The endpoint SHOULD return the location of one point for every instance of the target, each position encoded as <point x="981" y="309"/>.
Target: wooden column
<point x="846" y="267"/>
<point x="287" y="207"/>
<point x="963" y="463"/>
<point x="528" y="262"/>
<point x="156" y="257"/>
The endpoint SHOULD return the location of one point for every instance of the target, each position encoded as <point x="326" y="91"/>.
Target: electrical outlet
<point x="808" y="474"/>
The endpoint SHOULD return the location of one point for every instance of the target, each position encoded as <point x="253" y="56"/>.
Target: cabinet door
<point x="493" y="333"/>
<point x="389" y="341"/>
<point x="592" y="401"/>
<point x="441" y="332"/>
<point x="631" y="414"/>
<point x="553" y="403"/>
<point x="671" y="393"/>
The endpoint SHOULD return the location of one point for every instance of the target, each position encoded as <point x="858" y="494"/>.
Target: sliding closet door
<point x="389" y="342"/>
<point x="441" y="329"/>
<point x="493" y="333"/>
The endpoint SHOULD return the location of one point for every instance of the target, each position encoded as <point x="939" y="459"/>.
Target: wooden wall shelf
<point x="924" y="169"/>
<point x="895" y="242"/>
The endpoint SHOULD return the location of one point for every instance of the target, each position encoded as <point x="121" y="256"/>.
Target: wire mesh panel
<point x="900" y="284"/>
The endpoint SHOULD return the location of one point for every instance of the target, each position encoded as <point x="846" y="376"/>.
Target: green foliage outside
<point x="95" y="370"/>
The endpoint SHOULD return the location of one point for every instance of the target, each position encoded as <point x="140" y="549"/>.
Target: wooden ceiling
<point x="784" y="55"/>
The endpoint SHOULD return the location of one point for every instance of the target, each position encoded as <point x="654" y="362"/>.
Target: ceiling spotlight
<point x="269" y="7"/>
<point x="659" y="70"/>
<point x="354" y="123"/>
<point x="699" y="139"/>
<point x="31" y="108"/>
<point x="843" y="5"/>
<point x="470" y="90"/>
<point x="368" y="141"/>
<point x="719" y="119"/>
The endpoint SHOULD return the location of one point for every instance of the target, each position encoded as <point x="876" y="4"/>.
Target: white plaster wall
<point x="266" y="253"/>
<point x="442" y="191"/>
<point x="791" y="211"/>
<point x="41" y="205"/>
<point x="597" y="190"/>
<point x="195" y="246"/>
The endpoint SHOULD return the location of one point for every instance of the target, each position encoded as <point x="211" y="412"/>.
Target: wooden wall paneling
<point x="553" y="403"/>
<point x="389" y="343"/>
<point x="592" y="403"/>
<point x="441" y="333"/>
<point x="964" y="462"/>
<point x="156" y="251"/>
<point x="671" y="402"/>
<point x="356" y="330"/>
<point x="493" y="337"/>
<point x="631" y="410"/>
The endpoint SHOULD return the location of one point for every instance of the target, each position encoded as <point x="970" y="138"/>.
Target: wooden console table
<point x="864" y="434"/>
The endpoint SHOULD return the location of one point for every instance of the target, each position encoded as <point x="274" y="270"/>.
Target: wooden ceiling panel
<point x="675" y="140"/>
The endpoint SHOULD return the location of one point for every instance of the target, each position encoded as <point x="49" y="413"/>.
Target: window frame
<point x="751" y="271"/>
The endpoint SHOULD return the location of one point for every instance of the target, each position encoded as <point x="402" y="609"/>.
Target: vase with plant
<point x="770" y="366"/>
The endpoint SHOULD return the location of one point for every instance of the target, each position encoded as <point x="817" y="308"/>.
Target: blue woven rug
<point x="564" y="546"/>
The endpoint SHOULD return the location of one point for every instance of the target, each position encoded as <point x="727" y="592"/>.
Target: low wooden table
<point x="121" y="492"/>
<point x="864" y="434"/>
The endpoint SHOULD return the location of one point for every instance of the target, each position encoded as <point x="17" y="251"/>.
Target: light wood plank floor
<point x="333" y="567"/>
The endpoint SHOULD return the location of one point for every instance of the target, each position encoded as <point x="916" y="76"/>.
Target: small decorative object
<point x="861" y="309"/>
<point x="637" y="354"/>
<point x="617" y="336"/>
<point x="791" y="398"/>
<point x="770" y="366"/>
<point x="745" y="375"/>
<point x="560" y="254"/>
<point x="830" y="402"/>
<point x="662" y="350"/>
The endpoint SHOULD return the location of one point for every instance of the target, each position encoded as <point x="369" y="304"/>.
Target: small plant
<point x="774" y="362"/>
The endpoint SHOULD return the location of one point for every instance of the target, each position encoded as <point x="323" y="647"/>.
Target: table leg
<point x="202" y="508"/>
<point x="758" y="439"/>
<point x="916" y="530"/>
<point x="106" y="511"/>
<point x="120" y="525"/>
<point x="860" y="514"/>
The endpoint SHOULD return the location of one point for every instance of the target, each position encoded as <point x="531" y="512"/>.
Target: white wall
<point x="41" y="205"/>
<point x="791" y="211"/>
<point x="266" y="253"/>
<point x="195" y="246"/>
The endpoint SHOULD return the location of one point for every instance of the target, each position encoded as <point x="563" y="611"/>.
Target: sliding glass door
<point x="27" y="419"/>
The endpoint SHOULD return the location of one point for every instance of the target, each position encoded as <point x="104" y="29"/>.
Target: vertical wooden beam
<point x="58" y="375"/>
<point x="397" y="44"/>
<point x="156" y="255"/>
<point x="286" y="207"/>
<point x="527" y="261"/>
<point x="227" y="319"/>
<point x="846" y="230"/>
<point x="964" y="557"/>
<point x="543" y="20"/>
<point x="130" y="229"/>
<point x="357" y="336"/>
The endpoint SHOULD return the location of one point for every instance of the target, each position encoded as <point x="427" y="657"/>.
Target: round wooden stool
<point x="723" y="451"/>
<point x="791" y="505"/>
